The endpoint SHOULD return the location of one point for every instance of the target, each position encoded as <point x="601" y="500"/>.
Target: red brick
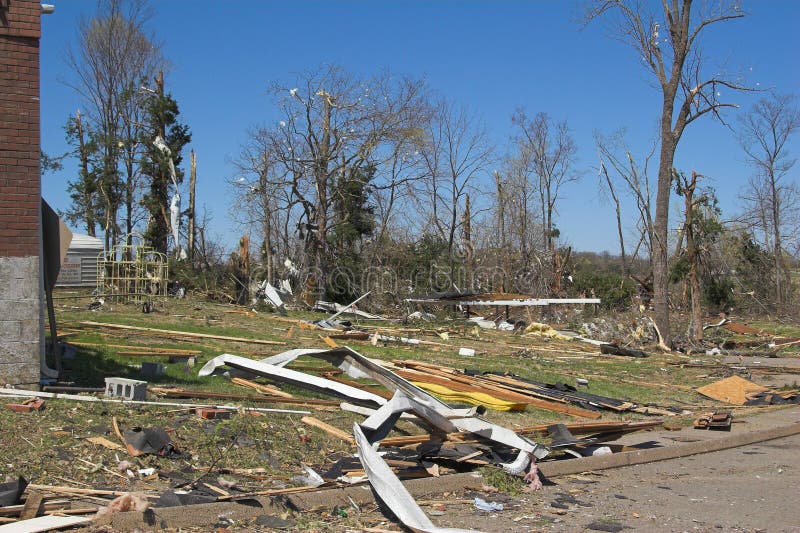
<point x="212" y="413"/>
<point x="34" y="404"/>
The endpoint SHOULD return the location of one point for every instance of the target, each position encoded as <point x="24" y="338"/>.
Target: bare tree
<point x="622" y="175"/>
<point x="772" y="198"/>
<point x="547" y="153"/>
<point x="260" y="197"/>
<point x="550" y="151"/>
<point x="455" y="152"/>
<point x="668" y="45"/>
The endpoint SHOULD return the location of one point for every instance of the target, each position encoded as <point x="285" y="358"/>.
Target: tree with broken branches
<point x="699" y="231"/>
<point x="668" y="42"/>
<point x="772" y="196"/>
<point x="622" y="175"/>
<point x="335" y="129"/>
<point x="260" y="201"/>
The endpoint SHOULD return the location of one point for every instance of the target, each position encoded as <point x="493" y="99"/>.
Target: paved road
<point x="751" y="488"/>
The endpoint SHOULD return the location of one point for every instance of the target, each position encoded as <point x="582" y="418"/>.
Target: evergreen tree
<point x="354" y="220"/>
<point x="162" y="120"/>
<point x="86" y="208"/>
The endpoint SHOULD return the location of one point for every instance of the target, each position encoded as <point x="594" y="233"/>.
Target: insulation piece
<point x="473" y="398"/>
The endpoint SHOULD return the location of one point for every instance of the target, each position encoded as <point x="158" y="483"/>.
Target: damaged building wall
<point x="20" y="305"/>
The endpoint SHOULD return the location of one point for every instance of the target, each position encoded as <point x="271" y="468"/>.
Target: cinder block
<point x="151" y="369"/>
<point x="128" y="389"/>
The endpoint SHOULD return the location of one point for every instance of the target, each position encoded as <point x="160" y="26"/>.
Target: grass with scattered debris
<point x="266" y="452"/>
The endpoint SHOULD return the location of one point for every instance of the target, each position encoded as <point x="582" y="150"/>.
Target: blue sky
<point x="490" y="56"/>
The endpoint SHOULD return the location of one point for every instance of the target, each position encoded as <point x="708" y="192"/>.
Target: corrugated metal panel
<point x="79" y="268"/>
<point x="85" y="242"/>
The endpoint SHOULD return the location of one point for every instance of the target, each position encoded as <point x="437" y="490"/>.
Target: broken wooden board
<point x="733" y="390"/>
<point x="260" y="387"/>
<point x="263" y="398"/>
<point x="743" y="329"/>
<point x="327" y="428"/>
<point x="104" y="442"/>
<point x="44" y="523"/>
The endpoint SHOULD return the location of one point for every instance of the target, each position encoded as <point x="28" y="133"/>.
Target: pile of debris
<point x="455" y="438"/>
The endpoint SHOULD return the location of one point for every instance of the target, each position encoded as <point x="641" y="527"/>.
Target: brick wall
<point x="20" y="303"/>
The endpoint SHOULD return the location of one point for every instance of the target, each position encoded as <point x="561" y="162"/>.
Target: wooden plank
<point x="33" y="505"/>
<point x="216" y="489"/>
<point x="104" y="442"/>
<point x="336" y="432"/>
<point x="527" y="388"/>
<point x="183" y="393"/>
<point x="576" y="428"/>
<point x="14" y="510"/>
<point x="330" y="342"/>
<point x="44" y="523"/>
<point x="180" y="333"/>
<point x="273" y="492"/>
<point x="85" y="510"/>
<point x="260" y="387"/>
<point x="74" y="490"/>
<point x="156" y="354"/>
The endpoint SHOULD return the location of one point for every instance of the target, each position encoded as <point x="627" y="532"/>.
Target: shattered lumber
<point x="60" y="506"/>
<point x="180" y="333"/>
<point x="75" y="490"/>
<point x="327" y="428"/>
<point x="265" y="389"/>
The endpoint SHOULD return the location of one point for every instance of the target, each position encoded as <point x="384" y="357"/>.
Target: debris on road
<point x="714" y="420"/>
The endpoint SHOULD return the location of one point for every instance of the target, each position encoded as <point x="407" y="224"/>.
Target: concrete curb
<point x="362" y="494"/>
<point x="603" y="462"/>
<point x="201" y="515"/>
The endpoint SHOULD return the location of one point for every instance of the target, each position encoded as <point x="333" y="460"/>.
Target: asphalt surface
<point x="748" y="488"/>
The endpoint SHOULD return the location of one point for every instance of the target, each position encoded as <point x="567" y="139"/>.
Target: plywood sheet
<point x="733" y="390"/>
